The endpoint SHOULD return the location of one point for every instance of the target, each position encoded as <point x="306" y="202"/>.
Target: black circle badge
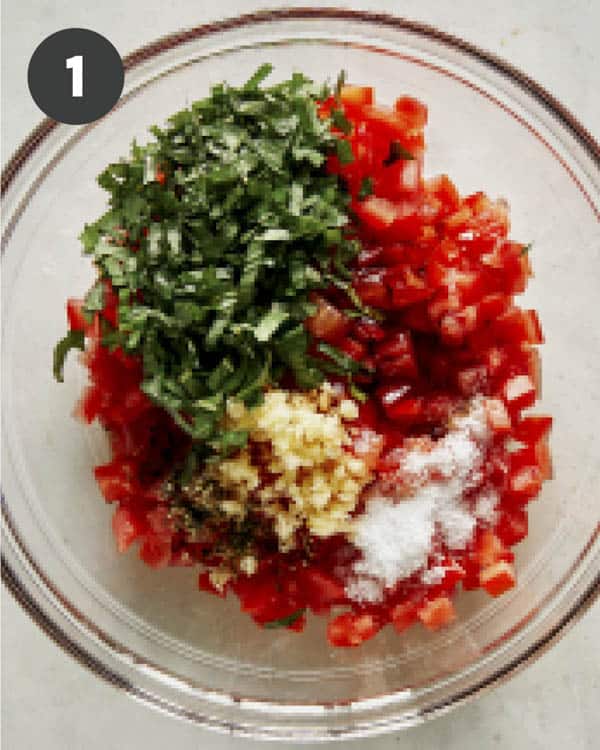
<point x="75" y="76"/>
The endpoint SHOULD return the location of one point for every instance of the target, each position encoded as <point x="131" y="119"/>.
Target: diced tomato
<point x="378" y="214"/>
<point x="412" y="112"/>
<point x="532" y="428"/>
<point x="544" y="459"/>
<point x="399" y="406"/>
<point x="156" y="550"/>
<point x="356" y="96"/>
<point x="396" y="345"/>
<point x="498" y="418"/>
<point x="518" y="325"/>
<point x="524" y="484"/>
<point x="90" y="404"/>
<point x="498" y="578"/>
<point x="371" y="288"/>
<point x="495" y="360"/>
<point x="519" y="392"/>
<point x="472" y="380"/>
<point x="320" y="589"/>
<point x="403" y="616"/>
<point x="127" y="527"/>
<point x="437" y="613"/>
<point x="351" y="629"/>
<point x="489" y="548"/>
<point x="455" y="326"/>
<point x="407" y="288"/>
<point x="490" y="307"/>
<point x="353" y="348"/>
<point x="366" y="330"/>
<point x="512" y="526"/>
<point x="369" y="256"/>
<point x="444" y="189"/>
<point x="328" y="323"/>
<point x="75" y="317"/>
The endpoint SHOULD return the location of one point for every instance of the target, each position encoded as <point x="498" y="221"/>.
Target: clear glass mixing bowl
<point x="151" y="633"/>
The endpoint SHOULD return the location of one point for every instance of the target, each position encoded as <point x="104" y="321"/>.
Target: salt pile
<point x="396" y="532"/>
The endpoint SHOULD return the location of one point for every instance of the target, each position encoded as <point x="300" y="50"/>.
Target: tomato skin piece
<point x="437" y="613"/>
<point x="498" y="578"/>
<point x="351" y="629"/>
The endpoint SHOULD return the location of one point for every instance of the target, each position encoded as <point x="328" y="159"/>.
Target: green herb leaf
<point x="526" y="248"/>
<point x="341" y="359"/>
<point x="285" y="622"/>
<point x="344" y="152"/>
<point x="366" y="188"/>
<point x="339" y="120"/>
<point x="73" y="340"/>
<point x="94" y="300"/>
<point x="270" y="322"/>
<point x="255" y="80"/>
<point x="341" y="80"/>
<point x="358" y="394"/>
<point x="397" y="152"/>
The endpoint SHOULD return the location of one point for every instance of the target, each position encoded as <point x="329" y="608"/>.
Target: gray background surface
<point x="48" y="700"/>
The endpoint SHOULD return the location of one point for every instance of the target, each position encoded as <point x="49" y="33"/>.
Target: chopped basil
<point x="526" y="248"/>
<point x="357" y="394"/>
<point x="366" y="188"/>
<point x="344" y="152"/>
<point x="285" y="622"/>
<point x="72" y="340"/>
<point x="94" y="300"/>
<point x="339" y="84"/>
<point x="343" y="363"/>
<point x="214" y="264"/>
<point x="341" y="123"/>
<point x="397" y="152"/>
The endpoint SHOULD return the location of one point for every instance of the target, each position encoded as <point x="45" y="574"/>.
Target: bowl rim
<point x="136" y="58"/>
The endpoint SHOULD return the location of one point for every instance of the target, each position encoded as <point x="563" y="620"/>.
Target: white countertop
<point x="553" y="703"/>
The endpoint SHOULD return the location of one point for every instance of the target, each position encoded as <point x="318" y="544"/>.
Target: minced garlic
<point x="317" y="480"/>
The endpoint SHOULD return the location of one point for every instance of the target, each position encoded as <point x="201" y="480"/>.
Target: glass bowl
<point x="151" y="633"/>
